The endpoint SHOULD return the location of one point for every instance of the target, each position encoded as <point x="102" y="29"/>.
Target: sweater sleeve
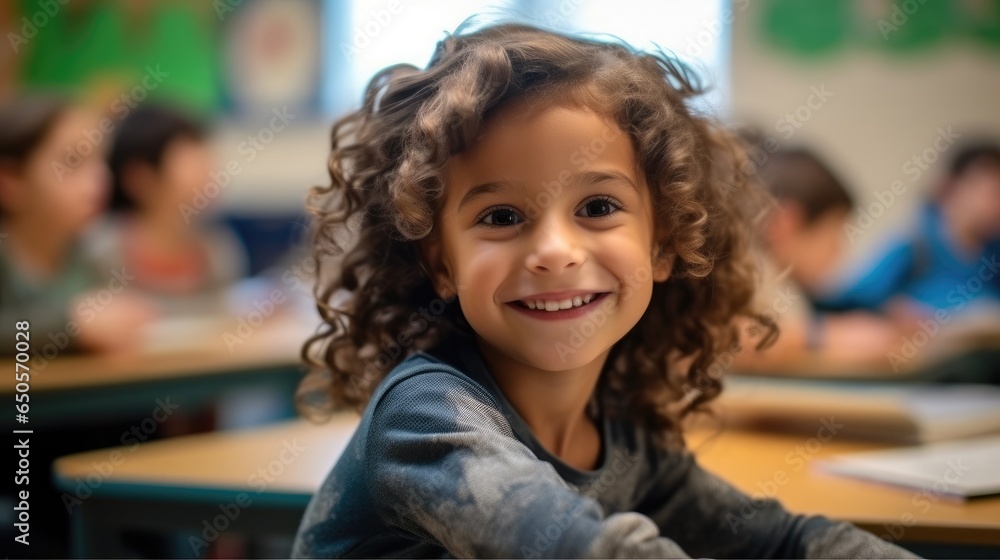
<point x="709" y="517"/>
<point x="444" y="466"/>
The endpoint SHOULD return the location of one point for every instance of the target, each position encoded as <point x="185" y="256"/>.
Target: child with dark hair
<point x="544" y="231"/>
<point x="160" y="161"/>
<point x="805" y="230"/>
<point x="950" y="258"/>
<point x="46" y="201"/>
<point x="803" y="239"/>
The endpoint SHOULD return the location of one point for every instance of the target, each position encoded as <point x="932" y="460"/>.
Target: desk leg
<point x="99" y="525"/>
<point x="97" y="531"/>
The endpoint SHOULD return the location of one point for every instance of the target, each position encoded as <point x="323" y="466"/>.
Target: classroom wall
<point x="273" y="177"/>
<point x="881" y="108"/>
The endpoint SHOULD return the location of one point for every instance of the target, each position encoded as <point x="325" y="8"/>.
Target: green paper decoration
<point x="915" y="25"/>
<point x="86" y="45"/>
<point x="811" y="28"/>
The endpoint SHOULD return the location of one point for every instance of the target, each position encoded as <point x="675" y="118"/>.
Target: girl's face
<point x="547" y="235"/>
<point x="54" y="192"/>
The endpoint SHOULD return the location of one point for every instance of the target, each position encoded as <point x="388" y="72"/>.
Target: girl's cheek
<point x="487" y="260"/>
<point x="632" y="265"/>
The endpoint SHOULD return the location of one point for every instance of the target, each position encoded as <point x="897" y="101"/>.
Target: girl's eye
<point x="500" y="217"/>
<point x="600" y="206"/>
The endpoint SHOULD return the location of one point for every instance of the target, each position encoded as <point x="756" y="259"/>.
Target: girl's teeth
<point x="575" y="301"/>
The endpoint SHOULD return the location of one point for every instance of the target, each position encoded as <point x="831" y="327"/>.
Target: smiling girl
<point x="550" y="251"/>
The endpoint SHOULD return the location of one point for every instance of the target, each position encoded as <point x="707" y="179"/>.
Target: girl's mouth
<point x="551" y="310"/>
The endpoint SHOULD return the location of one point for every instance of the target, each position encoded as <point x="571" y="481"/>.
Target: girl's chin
<point x="564" y="358"/>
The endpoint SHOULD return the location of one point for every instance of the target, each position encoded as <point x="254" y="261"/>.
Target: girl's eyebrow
<point x="600" y="176"/>
<point x="485" y="188"/>
<point x="587" y="177"/>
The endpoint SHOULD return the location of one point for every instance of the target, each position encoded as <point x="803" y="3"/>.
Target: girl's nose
<point x="555" y="246"/>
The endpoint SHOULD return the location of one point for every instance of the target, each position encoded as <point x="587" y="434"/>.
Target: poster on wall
<point x="272" y="56"/>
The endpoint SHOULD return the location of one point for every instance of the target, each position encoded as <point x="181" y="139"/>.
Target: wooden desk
<point x="264" y="478"/>
<point x="182" y="484"/>
<point x="91" y="387"/>
<point x="757" y="463"/>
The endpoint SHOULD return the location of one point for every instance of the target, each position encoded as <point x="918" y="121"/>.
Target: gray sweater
<point x="441" y="465"/>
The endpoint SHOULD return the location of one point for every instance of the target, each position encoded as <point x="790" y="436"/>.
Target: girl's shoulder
<point x="421" y="362"/>
<point x="425" y="378"/>
<point x="425" y="398"/>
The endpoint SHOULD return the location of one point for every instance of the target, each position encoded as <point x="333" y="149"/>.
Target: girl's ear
<point x="663" y="264"/>
<point x="11" y="186"/>
<point x="435" y="265"/>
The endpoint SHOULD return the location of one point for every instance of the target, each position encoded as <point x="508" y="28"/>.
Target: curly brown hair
<point x="386" y="169"/>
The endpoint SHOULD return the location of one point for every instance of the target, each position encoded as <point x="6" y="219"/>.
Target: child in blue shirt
<point x="950" y="258"/>
<point x="548" y="251"/>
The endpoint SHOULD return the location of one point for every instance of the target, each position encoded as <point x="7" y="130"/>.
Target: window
<point x="365" y="36"/>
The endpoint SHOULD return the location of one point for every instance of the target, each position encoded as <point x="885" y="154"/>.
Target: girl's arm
<point x="709" y="517"/>
<point x="444" y="466"/>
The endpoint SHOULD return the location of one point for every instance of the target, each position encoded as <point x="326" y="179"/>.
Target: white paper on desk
<point x="903" y="412"/>
<point x="959" y="469"/>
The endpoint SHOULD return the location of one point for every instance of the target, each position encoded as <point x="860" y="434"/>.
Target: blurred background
<point x="155" y="157"/>
<point x="887" y="87"/>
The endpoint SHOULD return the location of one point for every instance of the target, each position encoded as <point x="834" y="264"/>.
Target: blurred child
<point x="542" y="225"/>
<point x="160" y="162"/>
<point x="949" y="260"/>
<point x="803" y="238"/>
<point x="53" y="183"/>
